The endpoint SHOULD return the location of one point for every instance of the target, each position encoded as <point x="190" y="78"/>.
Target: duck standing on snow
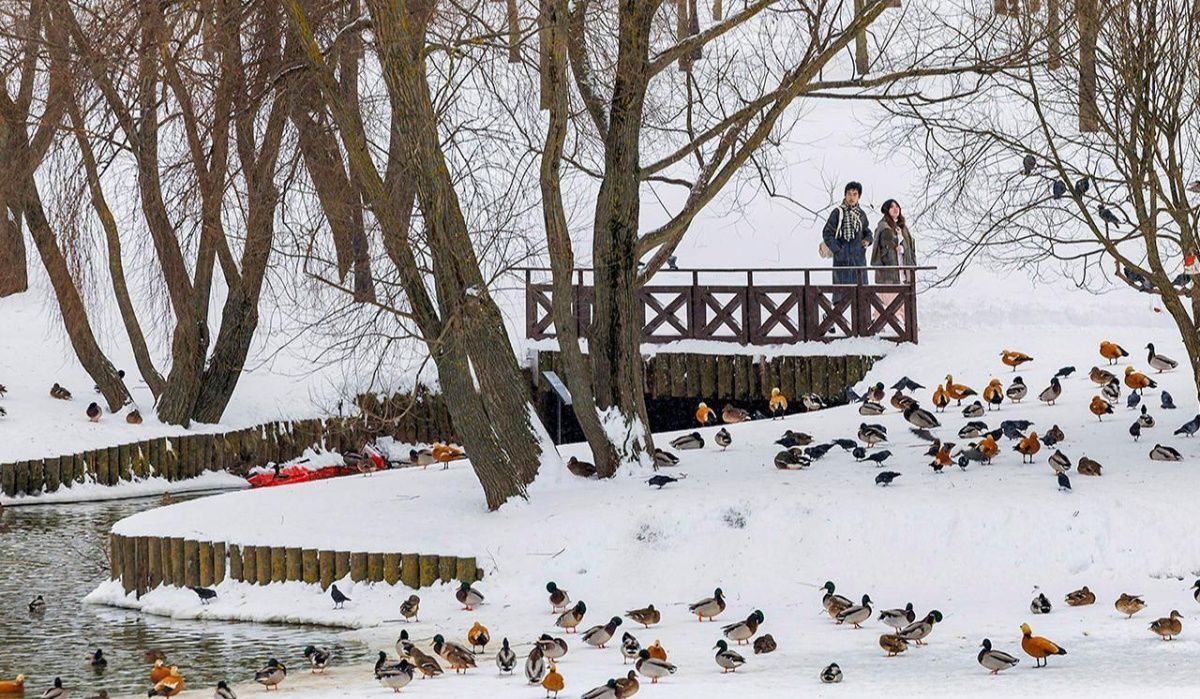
<point x="1196" y="587"/>
<point x="902" y="402"/>
<point x="995" y="660"/>
<point x="1138" y="381"/>
<point x="479" y="637"/>
<point x="956" y="391"/>
<point x="856" y="614"/>
<point x="1038" y="648"/>
<point x="1059" y="461"/>
<point x="652" y="667"/>
<point x="834" y="604"/>
<point x="709" y="606"/>
<point x="552" y="648"/>
<point x="832" y="674"/>
<point x="646" y="616"/>
<point x="688" y="441"/>
<point x="1129" y="605"/>
<point x="339" y="599"/>
<point x="728" y="660"/>
<point x="764" y="644"/>
<point x="627" y="686"/>
<point x="918" y="630"/>
<point x="468" y="596"/>
<point x="458" y="657"/>
<point x="872" y="434"/>
<point x="630" y="647"/>
<point x="993" y="394"/>
<point x="1051" y="393"/>
<point x="1081" y="597"/>
<point x="1158" y="361"/>
<point x="553" y="682"/>
<point x="1040" y="604"/>
<point x="572" y="618"/>
<point x="1017" y="391"/>
<point x="1053" y="436"/>
<point x="1112" y="351"/>
<point x="410" y="607"/>
<point x="778" y="403"/>
<point x="425" y="663"/>
<point x="1111" y="391"/>
<point x="94" y="412"/>
<point x="396" y="677"/>
<point x="1168" y="627"/>
<point x="940" y="398"/>
<point x="559" y="599"/>
<point x="898" y="618"/>
<point x="599" y="635"/>
<point x="893" y="644"/>
<point x="271" y="675"/>
<point x="1014" y="359"/>
<point x="705" y="415"/>
<point x="791" y="439"/>
<point x="583" y="469"/>
<point x="1100" y="407"/>
<point x="318" y="658"/>
<point x="224" y="692"/>
<point x="1161" y="452"/>
<point x="742" y="631"/>
<point x="921" y="418"/>
<point x="535" y="666"/>
<point x="506" y="659"/>
<point x="1100" y="377"/>
<point x="973" y="410"/>
<point x="731" y="415"/>
<point x="723" y="438"/>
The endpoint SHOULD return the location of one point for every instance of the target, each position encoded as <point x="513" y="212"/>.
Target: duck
<point x="778" y="404"/>
<point x="1040" y="604"/>
<point x="972" y="429"/>
<point x="13" y="686"/>
<point x="921" y="418"/>
<point x="872" y="434"/>
<point x="898" y="618"/>
<point x="1028" y="447"/>
<point x="318" y="658"/>
<point x="580" y="468"/>
<point x="1196" y="587"/>
<point x="646" y="616"/>
<point x="942" y="458"/>
<point x="856" y="614"/>
<point x="709" y="606"/>
<point x="1168" y="627"/>
<point x="1162" y="452"/>
<point x="134" y="417"/>
<point x="271" y="675"/>
<point x="1081" y="597"/>
<point x="224" y="692"/>
<point x="870" y="408"/>
<point x="993" y="394"/>
<point x="832" y="674"/>
<point x="1111" y="391"/>
<point x="1037" y="647"/>
<point x="1138" y="381"/>
<point x="876" y="392"/>
<point x="1088" y="467"/>
<point x="728" y="660"/>
<point x="1014" y="359"/>
<point x="893" y="644"/>
<point x="468" y="596"/>
<point x="1100" y="407"/>
<point x="168" y="686"/>
<point x="1053" y="436"/>
<point x="56" y="691"/>
<point x="559" y="599"/>
<point x="478" y="637"/>
<point x="741" y="632"/>
<point x="535" y="665"/>
<point x="630" y="647"/>
<point x="628" y="685"/>
<point x="988" y="447"/>
<point x="688" y="441"/>
<point x="956" y="391"/>
<point x="973" y="410"/>
<point x="664" y="459"/>
<point x="1112" y="351"/>
<point x="1060" y="462"/>
<point x="812" y="402"/>
<point x="764" y="644"/>
<point x="723" y="438"/>
<point x="421" y="457"/>
<point x="791" y="460"/>
<point x="410" y="607"/>
<point x="705" y="415"/>
<point x="995" y="660"/>
<point x="1051" y="393"/>
<point x="601" y="634"/>
<point x="792" y="438"/>
<point x="732" y="415"/>
<point x="38" y="605"/>
<point x="506" y="659"/>
<point x="382" y="663"/>
<point x="918" y="630"/>
<point x="655" y="668"/>
<point x="396" y="677"/>
<point x="901" y="402"/>
<point x="572" y="618"/>
<point x="1145" y="419"/>
<point x="159" y="671"/>
<point x="553" y="682"/>
<point x="59" y="392"/>
<point x="1017" y="390"/>
<point x="1129" y="605"/>
<point x="446" y="453"/>
<point x="834" y="604"/>
<point x="1159" y="362"/>
<point x="1101" y="377"/>
<point x="425" y="663"/>
<point x="96" y="660"/>
<point x="94" y="412"/>
<point x="458" y="657"/>
<point x="608" y="690"/>
<point x="940" y="398"/>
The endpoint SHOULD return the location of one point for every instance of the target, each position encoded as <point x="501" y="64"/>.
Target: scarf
<point x="851" y="226"/>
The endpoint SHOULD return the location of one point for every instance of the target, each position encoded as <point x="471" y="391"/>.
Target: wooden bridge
<point x="747" y="306"/>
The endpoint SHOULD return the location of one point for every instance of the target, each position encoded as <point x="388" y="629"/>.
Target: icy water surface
<point x="59" y="551"/>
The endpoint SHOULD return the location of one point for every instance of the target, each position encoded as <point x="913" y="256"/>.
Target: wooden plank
<point x="262" y="565"/>
<point x="391" y="568"/>
<point x="178" y="568"/>
<point x="37" y="476"/>
<point x="662" y="376"/>
<point x="467" y="570"/>
<point x="743" y="385"/>
<point x="218" y="562"/>
<point x="447" y="568"/>
<point x="691" y="387"/>
<point x="167" y="561"/>
<point x="837" y="377"/>
<point x="278" y="564"/>
<point x="429" y="570"/>
<point x="250" y="564"/>
<point x="375" y="567"/>
<point x="154" y="562"/>
<point x="310" y="568"/>
<point x="341" y="564"/>
<point x="205" y="551"/>
<point x="53" y="474"/>
<point x="124" y="463"/>
<point x="854" y="370"/>
<point x="768" y="377"/>
<point x="724" y="376"/>
<point x="22" y="477"/>
<point x="819" y="377"/>
<point x="191" y="563"/>
<point x="325" y="561"/>
<point x="8" y="479"/>
<point x="708" y="377"/>
<point x="293" y="564"/>
<point x="114" y="556"/>
<point x="787" y="378"/>
<point x="678" y="370"/>
<point x="358" y="567"/>
<point x="128" y="564"/>
<point x="235" y="563"/>
<point x="410" y="570"/>
<point x="141" y="554"/>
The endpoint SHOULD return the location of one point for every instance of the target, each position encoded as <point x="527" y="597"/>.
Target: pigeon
<point x="879" y="457"/>
<point x="1012" y="429"/>
<point x="1133" y="400"/>
<point x="1181" y="280"/>
<point x="660" y="480"/>
<point x="205" y="594"/>
<point x="1108" y="216"/>
<point x="1058" y="189"/>
<point x="1135" y="430"/>
<point x="339" y="600"/>
<point x="671" y="261"/>
<point x="1064" y="372"/>
<point x="816" y="451"/>
<point x="846" y="444"/>
<point x="1190" y="427"/>
<point x="1064" y="483"/>
<point x="851" y="396"/>
<point x="906" y="384"/>
<point x="1138" y="280"/>
<point x="886" y="477"/>
<point x="963" y="462"/>
<point x="1082" y="186"/>
<point x="923" y="434"/>
<point x="859" y="453"/>
<point x="1028" y="164"/>
<point x="1168" y="403"/>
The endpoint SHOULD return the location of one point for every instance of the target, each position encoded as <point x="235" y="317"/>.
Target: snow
<point x="91" y="491"/>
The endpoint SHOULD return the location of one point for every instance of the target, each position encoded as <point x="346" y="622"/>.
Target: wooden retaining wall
<point x="416" y="418"/>
<point x="142" y="563"/>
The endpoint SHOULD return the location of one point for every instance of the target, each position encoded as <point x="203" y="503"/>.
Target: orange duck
<point x="1037" y="647"/>
<point x="1014" y="359"/>
<point x="1112" y="351"/>
<point x="159" y="672"/>
<point x="988" y="447"/>
<point x="657" y="651"/>
<point x="1138" y="381"/>
<point x="941" y="459"/>
<point x="168" y="686"/>
<point x="1100" y="407"/>
<point x="940" y="399"/>
<point x="993" y="394"/>
<point x="1028" y="447"/>
<point x="13" y="686"/>
<point x="778" y="404"/>
<point x="446" y="453"/>
<point x="957" y="391"/>
<point x="705" y="415"/>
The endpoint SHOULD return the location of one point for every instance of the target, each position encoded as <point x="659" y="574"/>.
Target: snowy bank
<point x="91" y="491"/>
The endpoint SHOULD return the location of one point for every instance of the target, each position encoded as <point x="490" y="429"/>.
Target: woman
<point x="893" y="244"/>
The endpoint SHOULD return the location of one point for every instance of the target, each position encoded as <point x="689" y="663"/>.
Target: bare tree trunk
<point x="1054" y="57"/>
<point x="862" y="62"/>
<point x="1089" y="29"/>
<point x="14" y="274"/>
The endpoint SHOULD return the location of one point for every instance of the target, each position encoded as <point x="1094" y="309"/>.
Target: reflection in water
<point x="59" y="551"/>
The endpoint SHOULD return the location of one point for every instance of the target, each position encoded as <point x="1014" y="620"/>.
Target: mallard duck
<point x="56" y="691"/>
<point x="972" y="430"/>
<point x="1088" y="467"/>
<point x="599" y="635"/>
<point x="382" y="664"/>
<point x="956" y="391"/>
<point x="457" y="656"/>
<point x="468" y="596"/>
<point x="646" y="616"/>
<point x="552" y="648"/>
<point x="1028" y="447"/>
<point x="425" y="663"/>
<point x="506" y="659"/>
<point x="396" y="677"/>
<point x="553" y="682"/>
<point x="832" y="674"/>
<point x="1059" y="461"/>
<point x="1054" y="435"/>
<point x="729" y="660"/>
<point x="872" y="434"/>
<point x="421" y="457"/>
<point x="893" y="644"/>
<point x="168" y="686"/>
<point x="1196" y="587"/>
<point x="1038" y="648"/>
<point x="995" y="660"/>
<point x="535" y="665"/>
<point x="1145" y="421"/>
<point x="1168" y="627"/>
<point x="778" y="404"/>
<point x="1014" y="359"/>
<point x="993" y="394"/>
<point x="870" y="408"/>
<point x="1112" y="351"/>
<point x="898" y="618"/>
<point x="742" y="631"/>
<point x="723" y="438"/>
<point x="628" y="685"/>
<point x="1040" y="604"/>
<point x="834" y="604"/>
<point x="764" y="644"/>
<point x="38" y="605"/>
<point x="134" y="417"/>
<point x="559" y="599"/>
<point x="705" y="415"/>
<point x="1129" y="605"/>
<point x="652" y="667"/>
<point x="224" y="692"/>
<point x="664" y="459"/>
<point x="571" y="618"/>
<point x="608" y="690"/>
<point x="856" y="614"/>
<point x="812" y="401"/>
<point x="630" y="647"/>
<point x="791" y="438"/>
<point x="657" y="651"/>
<point x="732" y="415"/>
<point x="709" y="606"/>
<point x="96" y="660"/>
<point x="919" y="629"/>
<point x="1158" y="361"/>
<point x="318" y="657"/>
<point x="973" y="410"/>
<point x="921" y="418"/>
<point x="1138" y="381"/>
<point x="94" y="412"/>
<point x="13" y="686"/>
<point x="1164" y="453"/>
<point x="1111" y="391"/>
<point x="410" y="607"/>
<point x="1100" y="377"/>
<point x="688" y="441"/>
<point x="1081" y="597"/>
<point x="59" y="392"/>
<point x="1017" y="390"/>
<point x="271" y="674"/>
<point x="902" y="402"/>
<point x="791" y="460"/>
<point x="479" y="637"/>
<point x="583" y="469"/>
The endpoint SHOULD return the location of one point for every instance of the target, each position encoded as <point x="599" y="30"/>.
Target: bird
<point x="901" y="402"/>
<point x="1058" y="189"/>
<point x="920" y="629"/>
<point x="1145" y="419"/>
<point x="872" y="434"/>
<point x="1159" y="362"/>
<point x="425" y="663"/>
<point x="552" y="648"/>
<point x="993" y="394"/>
<point x="1038" y="648"/>
<point x="972" y="430"/>
<point x="1111" y="391"/>
<point x="97" y="660"/>
<point x="1014" y="359"/>
<point x="672" y="261"/>
<point x="599" y="635"/>
<point x="1028" y="447"/>
<point x="1100" y="407"/>
<point x="764" y="644"/>
<point x="553" y="682"/>
<point x="742" y="631"/>
<point x="1064" y="372"/>
<point x="339" y="599"/>
<point x="1107" y="215"/>
<point x="626" y="686"/>
<point x="1053" y="436"/>
<point x="1059" y="461"/>
<point x="876" y="392"/>
<point x="898" y="618"/>
<point x="1088" y="467"/>
<point x="661" y="480"/>
<point x="1133" y="400"/>
<point x="778" y="404"/>
<point x="705" y="415"/>
<point x="973" y="410"/>
<point x="794" y="439"/>
<point x="1064" y="483"/>
<point x="94" y="412"/>
<point x="723" y="438"/>
<point x="580" y="468"/>
<point x="535" y="666"/>
<point x="133" y="417"/>
<point x="845" y="444"/>
<point x="941" y="459"/>
<point x="1051" y="393"/>
<point x="410" y="608"/>
<point x="1168" y="403"/>
<point x="956" y="391"/>
<point x="271" y="674"/>
<point x="1168" y="627"/>
<point x="688" y="441"/>
<point x="816" y="451"/>
<point x="812" y="402"/>
<point x="1101" y="377"/>
<point x="1129" y="605"/>
<point x="995" y="660"/>
<point x="422" y="458"/>
<point x="728" y="660"/>
<point x="1028" y="164"/>
<point x="654" y="668"/>
<point x="940" y="399"/>
<point x="832" y="674"/>
<point x="646" y="616"/>
<point x="907" y="384"/>
<point x="56" y="691"/>
<point x="1040" y="604"/>
<point x="159" y="671"/>
<point x="893" y="644"/>
<point x="224" y="692"/>
<point x="1189" y="428"/>
<point x="879" y="457"/>
<point x="1137" y="380"/>
<point x="318" y="658"/>
<point x="834" y="603"/>
<point x="38" y="605"/>
<point x="559" y="599"/>
<point x="205" y="594"/>
<point x="458" y="657"/>
<point x="709" y="606"/>
<point x="630" y="647"/>
<point x="397" y="676"/>
<point x="870" y="408"/>
<point x="921" y="418"/>
<point x="1081" y="597"/>
<point x="791" y="460"/>
<point x="657" y="651"/>
<point x="478" y="636"/>
<point x="664" y="459"/>
<point x="1081" y="186"/>
<point x="506" y="659"/>
<point x="733" y="415"/>
<point x="444" y="453"/>
<point x="1112" y="351"/>
<point x="59" y="392"/>
<point x="608" y="690"/>
<point x="468" y="596"/>
<point x="572" y="618"/>
<point x="886" y="477"/>
<point x="856" y="614"/>
<point x="1162" y="452"/>
<point x="1013" y="428"/>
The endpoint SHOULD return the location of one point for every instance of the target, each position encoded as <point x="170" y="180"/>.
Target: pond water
<point x="58" y="551"/>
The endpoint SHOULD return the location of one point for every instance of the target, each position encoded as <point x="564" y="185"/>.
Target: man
<point x="847" y="234"/>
